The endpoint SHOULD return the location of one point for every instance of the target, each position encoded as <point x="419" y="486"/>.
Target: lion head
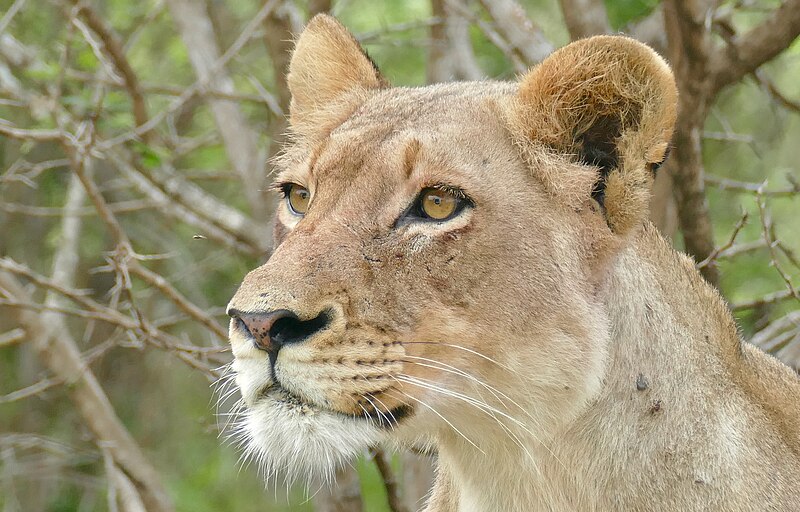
<point x="439" y="250"/>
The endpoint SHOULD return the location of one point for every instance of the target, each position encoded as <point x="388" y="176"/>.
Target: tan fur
<point x="556" y="352"/>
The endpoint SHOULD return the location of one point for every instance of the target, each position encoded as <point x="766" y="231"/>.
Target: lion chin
<point x="300" y="441"/>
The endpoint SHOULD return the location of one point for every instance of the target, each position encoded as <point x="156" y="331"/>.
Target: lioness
<point x="468" y="267"/>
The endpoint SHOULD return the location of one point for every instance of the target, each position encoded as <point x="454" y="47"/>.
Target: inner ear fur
<point x="608" y="102"/>
<point x="328" y="71"/>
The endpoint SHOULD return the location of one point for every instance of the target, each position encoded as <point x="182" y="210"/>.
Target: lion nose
<point x="273" y="329"/>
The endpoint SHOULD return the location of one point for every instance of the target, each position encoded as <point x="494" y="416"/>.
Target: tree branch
<point x="585" y="18"/>
<point x="525" y="38"/>
<point x="279" y="41"/>
<point x="393" y="495"/>
<point x="197" y="33"/>
<point x="744" y="54"/>
<point x="450" y="55"/>
<point x="689" y="42"/>
<point x="343" y="496"/>
<point x="58" y="350"/>
<point x="113" y="47"/>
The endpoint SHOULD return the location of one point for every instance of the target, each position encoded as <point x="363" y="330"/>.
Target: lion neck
<point x="661" y="316"/>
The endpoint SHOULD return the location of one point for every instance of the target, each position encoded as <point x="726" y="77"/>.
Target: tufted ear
<point x="608" y="102"/>
<point x="328" y="68"/>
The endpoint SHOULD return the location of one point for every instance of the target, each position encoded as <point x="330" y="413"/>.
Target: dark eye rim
<point x="285" y="190"/>
<point x="414" y="213"/>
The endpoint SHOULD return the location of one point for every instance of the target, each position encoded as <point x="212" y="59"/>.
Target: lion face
<point x="426" y="285"/>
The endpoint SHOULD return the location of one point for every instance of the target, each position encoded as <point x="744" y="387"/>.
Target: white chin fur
<point x="303" y="442"/>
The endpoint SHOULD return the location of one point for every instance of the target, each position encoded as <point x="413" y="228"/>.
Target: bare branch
<point x="10" y="13"/>
<point x="768" y="338"/>
<point x="742" y="248"/>
<point x="767" y="233"/>
<point x="393" y="495"/>
<point x="344" y="496"/>
<point x="23" y="134"/>
<point x="743" y="186"/>
<point x="29" y="391"/>
<point x="132" y="206"/>
<point x="177" y="297"/>
<point x="58" y="350"/>
<point x="279" y="40"/>
<point x="771" y="298"/>
<point x="744" y="54"/>
<point x="11" y="337"/>
<point x="776" y="94"/>
<point x="224" y="230"/>
<point x="94" y="310"/>
<point x="169" y="90"/>
<point x="197" y="33"/>
<point x="585" y="18"/>
<point x="450" y="55"/>
<point x="113" y="47"/>
<point x="525" y="38"/>
<point x="689" y="40"/>
<point x="712" y="258"/>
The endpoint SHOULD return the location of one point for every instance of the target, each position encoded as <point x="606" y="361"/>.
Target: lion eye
<point x="438" y="204"/>
<point x="298" y="197"/>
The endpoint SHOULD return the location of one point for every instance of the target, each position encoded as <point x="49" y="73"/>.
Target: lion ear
<point x="327" y="68"/>
<point x="608" y="102"/>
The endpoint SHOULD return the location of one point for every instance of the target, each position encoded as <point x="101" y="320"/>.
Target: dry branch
<point x="11" y="337"/>
<point x="689" y="40"/>
<point x="59" y="352"/>
<point x="240" y="140"/>
<point x="25" y="134"/>
<point x="279" y="30"/>
<point x="777" y="95"/>
<point x="743" y="186"/>
<point x="585" y="18"/>
<point x="524" y="37"/>
<point x="113" y="46"/>
<point x="89" y="308"/>
<point x="393" y="494"/>
<point x="174" y="207"/>
<point x="179" y="299"/>
<point x="770" y="298"/>
<point x="343" y="496"/>
<point x="450" y="54"/>
<point x="743" y="54"/>
<point x="712" y="258"/>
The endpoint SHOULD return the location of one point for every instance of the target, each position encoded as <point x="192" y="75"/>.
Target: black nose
<point x="274" y="329"/>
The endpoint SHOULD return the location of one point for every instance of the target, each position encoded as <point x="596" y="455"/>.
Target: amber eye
<point x="298" y="198"/>
<point x="438" y="204"/>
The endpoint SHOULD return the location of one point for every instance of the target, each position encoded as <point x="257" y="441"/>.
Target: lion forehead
<point x="417" y="109"/>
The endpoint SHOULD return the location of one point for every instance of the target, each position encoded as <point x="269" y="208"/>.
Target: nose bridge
<point x="304" y="271"/>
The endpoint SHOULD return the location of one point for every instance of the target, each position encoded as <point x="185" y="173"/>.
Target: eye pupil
<point x="438" y="204"/>
<point x="298" y="198"/>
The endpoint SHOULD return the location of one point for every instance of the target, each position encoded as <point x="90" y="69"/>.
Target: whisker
<point x="423" y="383"/>
<point x="393" y="423"/>
<point x="377" y="410"/>
<point x="493" y="390"/>
<point x="451" y="345"/>
<point x="444" y="419"/>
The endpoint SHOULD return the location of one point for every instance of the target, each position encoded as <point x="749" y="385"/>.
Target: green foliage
<point x="622" y="13"/>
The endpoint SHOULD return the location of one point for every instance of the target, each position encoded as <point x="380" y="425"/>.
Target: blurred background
<point x="134" y="147"/>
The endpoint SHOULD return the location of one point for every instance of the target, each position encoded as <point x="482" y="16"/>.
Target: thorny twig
<point x="727" y="245"/>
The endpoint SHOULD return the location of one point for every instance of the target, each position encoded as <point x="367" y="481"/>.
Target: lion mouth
<point x="385" y="419"/>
